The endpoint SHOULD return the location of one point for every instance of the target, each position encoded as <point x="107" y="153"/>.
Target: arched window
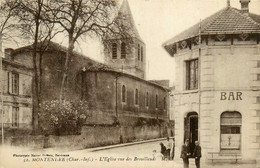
<point x="136" y="96"/>
<point x="123" y="94"/>
<point x="139" y="52"/>
<point x="114" y="51"/>
<point x="142" y="53"/>
<point x="156" y="101"/>
<point x="164" y="103"/>
<point x="230" y="125"/>
<point x="147" y="99"/>
<point x="123" y="50"/>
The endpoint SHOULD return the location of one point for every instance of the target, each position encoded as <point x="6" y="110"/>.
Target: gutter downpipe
<point x="199" y="81"/>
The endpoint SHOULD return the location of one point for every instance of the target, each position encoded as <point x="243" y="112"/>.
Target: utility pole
<point x="1" y="73"/>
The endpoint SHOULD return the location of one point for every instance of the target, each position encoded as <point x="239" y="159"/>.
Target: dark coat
<point x="163" y="149"/>
<point x="185" y="152"/>
<point x="197" y="151"/>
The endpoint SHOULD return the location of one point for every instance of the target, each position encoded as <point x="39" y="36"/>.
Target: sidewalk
<point x="121" y="145"/>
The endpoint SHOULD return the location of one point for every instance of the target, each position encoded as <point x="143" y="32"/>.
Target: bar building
<point x="217" y="91"/>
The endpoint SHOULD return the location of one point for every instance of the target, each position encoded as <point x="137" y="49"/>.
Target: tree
<point x="7" y="15"/>
<point x="82" y="17"/>
<point x="38" y="32"/>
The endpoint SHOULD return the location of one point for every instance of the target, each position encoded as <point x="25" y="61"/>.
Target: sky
<point x="159" y="20"/>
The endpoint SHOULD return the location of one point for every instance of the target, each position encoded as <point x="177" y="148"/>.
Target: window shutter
<point x="10" y="82"/>
<point x="21" y="82"/>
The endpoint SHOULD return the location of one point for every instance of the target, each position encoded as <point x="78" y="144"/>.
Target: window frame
<point x="114" y="50"/>
<point x="136" y="97"/>
<point x="13" y="83"/>
<point x="139" y="52"/>
<point x="164" y="103"/>
<point x="147" y="99"/>
<point x="123" y="94"/>
<point x="233" y="126"/>
<point x="142" y="53"/>
<point x="123" y="50"/>
<point x="156" y="101"/>
<point x="192" y="74"/>
<point x="15" y="112"/>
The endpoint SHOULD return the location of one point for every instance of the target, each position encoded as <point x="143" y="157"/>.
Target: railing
<point x="235" y="155"/>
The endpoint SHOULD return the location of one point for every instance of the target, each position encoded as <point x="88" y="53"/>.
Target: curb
<point x="123" y="144"/>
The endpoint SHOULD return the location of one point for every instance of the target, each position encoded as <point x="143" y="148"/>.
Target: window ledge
<point x="190" y="91"/>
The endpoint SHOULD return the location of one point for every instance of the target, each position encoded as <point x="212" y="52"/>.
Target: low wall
<point x="91" y="137"/>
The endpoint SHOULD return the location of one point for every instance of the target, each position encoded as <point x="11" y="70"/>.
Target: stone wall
<point x="103" y="91"/>
<point x="90" y="137"/>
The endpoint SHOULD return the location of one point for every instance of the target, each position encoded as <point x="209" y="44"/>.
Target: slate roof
<point x="125" y="24"/>
<point x="226" y="21"/>
<point x="126" y="13"/>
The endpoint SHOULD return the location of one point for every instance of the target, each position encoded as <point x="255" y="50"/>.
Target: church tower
<point x="126" y="54"/>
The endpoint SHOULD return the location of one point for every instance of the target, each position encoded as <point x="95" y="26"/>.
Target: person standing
<point x="163" y="150"/>
<point x="197" y="154"/>
<point x="185" y="153"/>
<point x="168" y="148"/>
<point x="172" y="149"/>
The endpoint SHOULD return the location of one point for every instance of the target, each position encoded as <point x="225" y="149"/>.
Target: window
<point x="15" y="116"/>
<point x="114" y="51"/>
<point x="230" y="130"/>
<point x="13" y="83"/>
<point x="15" y="80"/>
<point x="136" y="96"/>
<point x="139" y="52"/>
<point x="123" y="50"/>
<point x="192" y="74"/>
<point x="147" y="99"/>
<point x="258" y="64"/>
<point x="142" y="53"/>
<point x="123" y="94"/>
<point x="164" y="103"/>
<point x="258" y="76"/>
<point x="156" y="101"/>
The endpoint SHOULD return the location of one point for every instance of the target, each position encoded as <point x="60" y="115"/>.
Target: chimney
<point x="228" y="3"/>
<point x="244" y="6"/>
<point x="8" y="53"/>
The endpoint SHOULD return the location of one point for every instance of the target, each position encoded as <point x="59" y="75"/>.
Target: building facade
<point x="116" y="92"/>
<point x="17" y="95"/>
<point x="217" y="91"/>
<point x="124" y="97"/>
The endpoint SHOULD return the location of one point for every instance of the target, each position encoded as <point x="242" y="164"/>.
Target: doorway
<point x="191" y="129"/>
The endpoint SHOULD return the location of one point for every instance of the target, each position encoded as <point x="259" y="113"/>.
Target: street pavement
<point x="132" y="156"/>
<point x="146" y="150"/>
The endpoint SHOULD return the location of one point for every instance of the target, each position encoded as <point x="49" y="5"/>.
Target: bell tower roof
<point x="126" y="18"/>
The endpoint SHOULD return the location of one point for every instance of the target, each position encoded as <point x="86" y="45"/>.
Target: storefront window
<point x="230" y="124"/>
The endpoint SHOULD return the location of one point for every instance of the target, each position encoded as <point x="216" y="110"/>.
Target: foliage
<point x="62" y="117"/>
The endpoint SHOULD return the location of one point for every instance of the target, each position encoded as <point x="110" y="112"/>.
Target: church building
<point x="117" y="94"/>
<point x="217" y="91"/>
